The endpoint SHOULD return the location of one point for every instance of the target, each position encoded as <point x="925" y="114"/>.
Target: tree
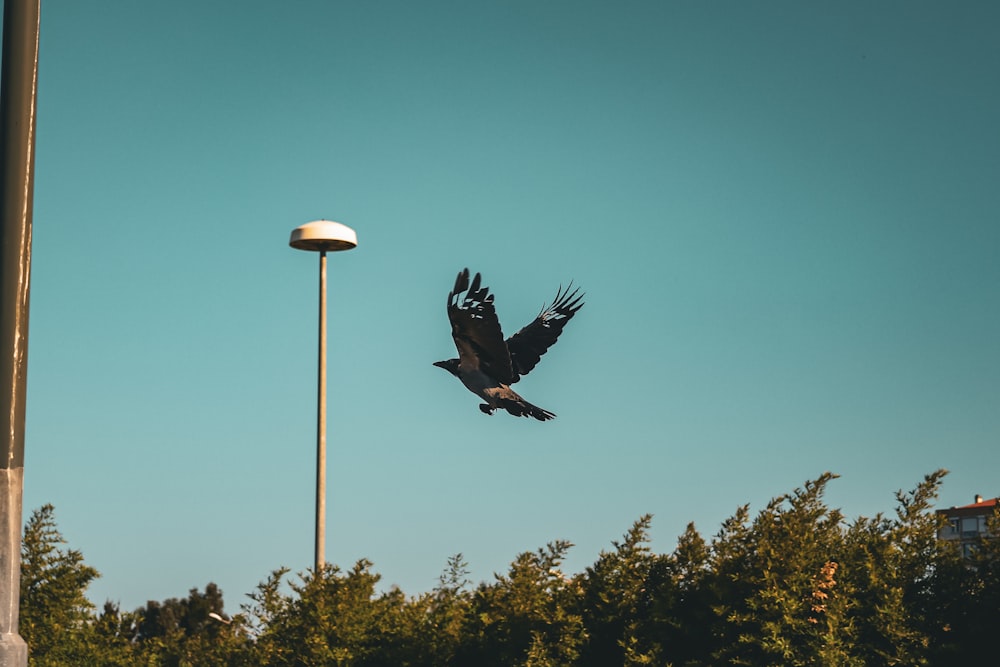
<point x="965" y="603"/>
<point x="794" y="585"/>
<point x="681" y="624"/>
<point x="331" y="618"/>
<point x="114" y="632"/>
<point x="55" y="614"/>
<point x="778" y="591"/>
<point x="528" y="617"/>
<point x="890" y="566"/>
<point x="188" y="631"/>
<point x="446" y="614"/>
<point x="614" y="597"/>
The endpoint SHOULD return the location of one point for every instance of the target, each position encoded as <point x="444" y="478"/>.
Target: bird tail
<point x="521" y="408"/>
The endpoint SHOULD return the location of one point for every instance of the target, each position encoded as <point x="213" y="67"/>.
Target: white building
<point x="967" y="524"/>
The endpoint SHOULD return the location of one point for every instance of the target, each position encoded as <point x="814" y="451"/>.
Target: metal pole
<point x="18" y="96"/>
<point x="321" y="422"/>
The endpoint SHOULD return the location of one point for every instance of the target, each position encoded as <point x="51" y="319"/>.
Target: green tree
<point x="331" y="618"/>
<point x="114" y="633"/>
<point x="796" y="585"/>
<point x="446" y="614"/>
<point x="725" y="584"/>
<point x="778" y="593"/>
<point x="55" y="614"/>
<point x="528" y="617"/>
<point x="614" y="601"/>
<point x="890" y="566"/>
<point x="965" y="605"/>
<point x="680" y="628"/>
<point x="185" y="632"/>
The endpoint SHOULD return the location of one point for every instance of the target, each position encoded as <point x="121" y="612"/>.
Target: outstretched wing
<point x="529" y="344"/>
<point x="476" y="330"/>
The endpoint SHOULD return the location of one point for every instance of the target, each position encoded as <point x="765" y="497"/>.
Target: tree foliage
<point x="795" y="584"/>
<point x="55" y="614"/>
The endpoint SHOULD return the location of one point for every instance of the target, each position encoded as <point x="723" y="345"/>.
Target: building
<point x="967" y="524"/>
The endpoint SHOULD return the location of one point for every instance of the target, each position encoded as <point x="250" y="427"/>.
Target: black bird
<point x="487" y="364"/>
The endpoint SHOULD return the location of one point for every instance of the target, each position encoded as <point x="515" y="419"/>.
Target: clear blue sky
<point x="785" y="215"/>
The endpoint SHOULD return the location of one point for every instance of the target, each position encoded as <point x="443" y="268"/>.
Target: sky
<point x="784" y="216"/>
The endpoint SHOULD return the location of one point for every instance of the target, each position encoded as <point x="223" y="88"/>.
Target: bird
<point x="487" y="364"/>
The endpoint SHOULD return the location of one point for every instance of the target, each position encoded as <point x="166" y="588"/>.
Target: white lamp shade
<point x="323" y="235"/>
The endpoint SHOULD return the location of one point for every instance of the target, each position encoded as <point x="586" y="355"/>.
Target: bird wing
<point x="476" y="330"/>
<point x="527" y="346"/>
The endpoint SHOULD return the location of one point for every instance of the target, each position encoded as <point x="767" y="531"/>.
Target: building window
<point x="970" y="526"/>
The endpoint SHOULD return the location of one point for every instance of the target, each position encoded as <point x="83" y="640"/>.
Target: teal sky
<point x="785" y="216"/>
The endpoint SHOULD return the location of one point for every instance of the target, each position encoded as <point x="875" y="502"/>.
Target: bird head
<point x="451" y="365"/>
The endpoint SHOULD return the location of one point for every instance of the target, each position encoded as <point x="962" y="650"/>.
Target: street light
<point x="322" y="236"/>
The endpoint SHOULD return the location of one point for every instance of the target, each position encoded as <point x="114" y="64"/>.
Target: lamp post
<point x="322" y="236"/>
<point x="18" y="102"/>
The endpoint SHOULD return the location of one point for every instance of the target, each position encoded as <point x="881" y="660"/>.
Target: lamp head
<point x="324" y="235"/>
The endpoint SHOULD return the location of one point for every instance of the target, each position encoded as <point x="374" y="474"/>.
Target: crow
<point x="487" y="364"/>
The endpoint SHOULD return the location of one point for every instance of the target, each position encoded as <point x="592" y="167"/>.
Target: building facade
<point x="967" y="524"/>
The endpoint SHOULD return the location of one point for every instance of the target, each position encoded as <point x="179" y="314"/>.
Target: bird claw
<point x="486" y="409"/>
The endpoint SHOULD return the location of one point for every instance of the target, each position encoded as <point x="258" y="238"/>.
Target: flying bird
<point x="487" y="364"/>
